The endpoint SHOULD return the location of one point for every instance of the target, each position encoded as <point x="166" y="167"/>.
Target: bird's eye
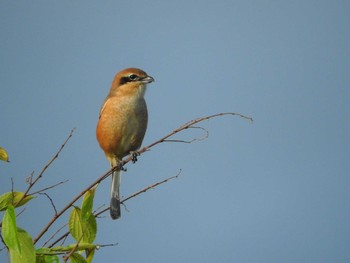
<point x="133" y="77"/>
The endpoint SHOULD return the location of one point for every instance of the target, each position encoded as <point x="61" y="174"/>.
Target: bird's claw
<point x="134" y="155"/>
<point x="121" y="166"/>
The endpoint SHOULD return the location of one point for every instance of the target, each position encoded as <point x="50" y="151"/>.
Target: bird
<point x="122" y="124"/>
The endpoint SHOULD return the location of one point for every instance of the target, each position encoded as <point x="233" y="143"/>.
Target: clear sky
<point x="277" y="190"/>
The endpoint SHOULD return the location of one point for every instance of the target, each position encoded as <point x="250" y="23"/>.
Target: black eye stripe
<point x="124" y="80"/>
<point x="130" y="78"/>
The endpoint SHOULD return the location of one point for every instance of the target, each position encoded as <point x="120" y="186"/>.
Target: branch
<point x="49" y="187"/>
<point x="55" y="217"/>
<point x="128" y="159"/>
<point x="141" y="191"/>
<point x="51" y="201"/>
<point x="66" y="234"/>
<point x="50" y="162"/>
<point x="185" y="126"/>
<point x="54" y="234"/>
<point x="150" y="187"/>
<point x="31" y="182"/>
<point x="67" y="256"/>
<point x="194" y="139"/>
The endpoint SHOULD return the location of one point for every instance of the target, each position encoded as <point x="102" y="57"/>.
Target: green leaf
<point x="13" y="198"/>
<point x="27" y="253"/>
<point x="82" y="231"/>
<point x="75" y="224"/>
<point x="77" y="258"/>
<point x="89" y="255"/>
<point x="18" y="241"/>
<point x="88" y="201"/>
<point x="3" y="155"/>
<point x="45" y="255"/>
<point x="90" y="229"/>
<point x="9" y="230"/>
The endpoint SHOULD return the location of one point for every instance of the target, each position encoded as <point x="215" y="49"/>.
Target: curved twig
<point x="126" y="160"/>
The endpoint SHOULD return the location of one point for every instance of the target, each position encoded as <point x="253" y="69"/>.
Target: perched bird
<point x="122" y="123"/>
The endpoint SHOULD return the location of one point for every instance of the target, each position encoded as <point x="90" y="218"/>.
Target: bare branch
<point x="12" y="184"/>
<point x="150" y="187"/>
<point x="31" y="182"/>
<point x="49" y="187"/>
<point x="66" y="234"/>
<point x="141" y="191"/>
<point x="66" y="257"/>
<point x="108" y="245"/>
<point x="99" y="208"/>
<point x="185" y="126"/>
<point x="54" y="218"/>
<point x="50" y="162"/>
<point x="29" y="178"/>
<point x="194" y="139"/>
<point x="53" y="205"/>
<point x="63" y="237"/>
<point x="54" y="234"/>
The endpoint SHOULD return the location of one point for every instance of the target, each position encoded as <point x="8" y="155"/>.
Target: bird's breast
<point x="122" y="125"/>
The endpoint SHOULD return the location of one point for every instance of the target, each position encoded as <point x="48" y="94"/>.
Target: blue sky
<point x="277" y="190"/>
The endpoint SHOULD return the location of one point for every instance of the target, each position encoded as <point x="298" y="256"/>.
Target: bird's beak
<point x="147" y="79"/>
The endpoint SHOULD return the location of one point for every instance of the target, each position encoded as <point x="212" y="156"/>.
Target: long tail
<point x="115" y="196"/>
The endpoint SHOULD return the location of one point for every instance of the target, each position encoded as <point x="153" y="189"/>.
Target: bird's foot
<point x="134" y="155"/>
<point x="121" y="167"/>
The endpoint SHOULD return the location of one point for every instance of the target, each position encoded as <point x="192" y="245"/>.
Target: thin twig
<point x="98" y="208"/>
<point x="107" y="245"/>
<point x="29" y="178"/>
<point x="49" y="187"/>
<point x="130" y="158"/>
<point x="185" y="126"/>
<point x="54" y="218"/>
<point x="194" y="139"/>
<point x="150" y="187"/>
<point x="20" y="212"/>
<point x="66" y="257"/>
<point x="32" y="183"/>
<point x="141" y="191"/>
<point x="65" y="235"/>
<point x="54" y="234"/>
<point x="51" y="201"/>
<point x="50" y="162"/>
<point x="12" y="185"/>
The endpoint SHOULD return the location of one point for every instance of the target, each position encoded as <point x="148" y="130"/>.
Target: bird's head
<point x="130" y="81"/>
